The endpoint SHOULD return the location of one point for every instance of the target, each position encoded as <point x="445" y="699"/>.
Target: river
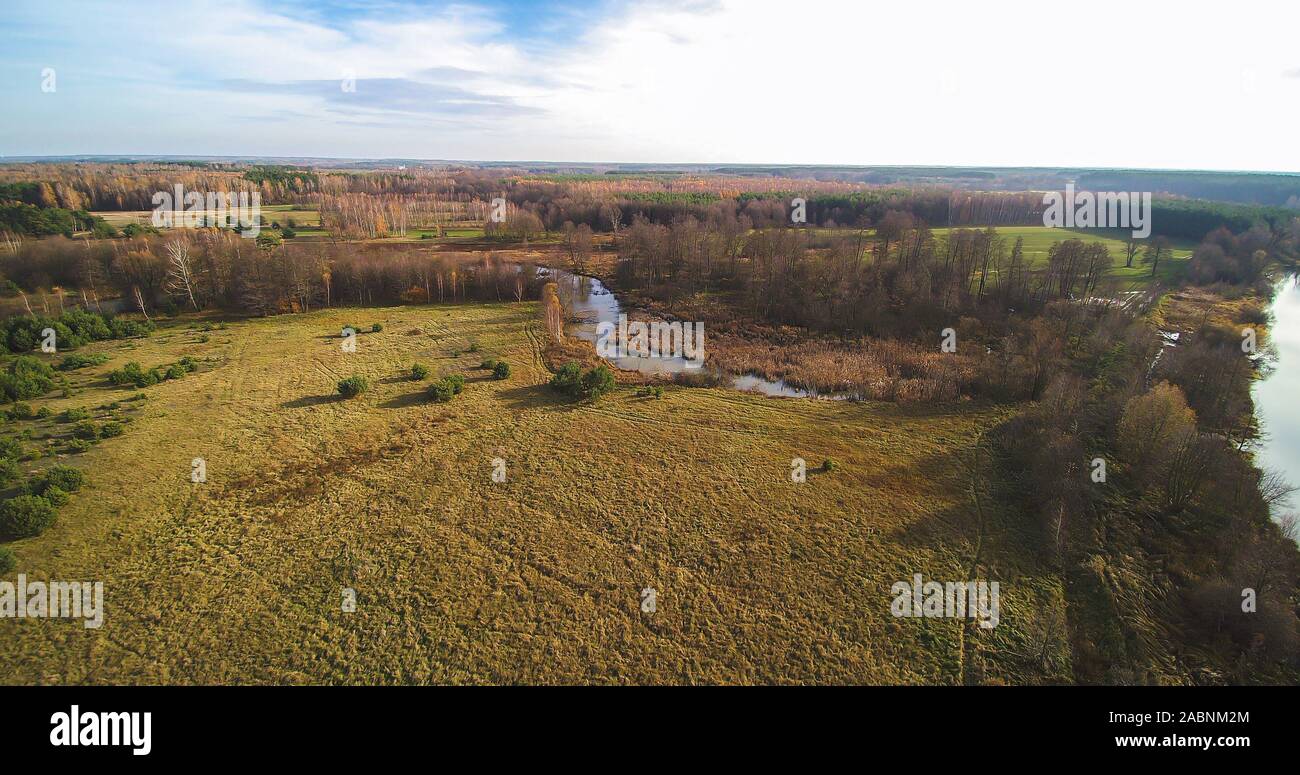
<point x="593" y="303"/>
<point x="1277" y="396"/>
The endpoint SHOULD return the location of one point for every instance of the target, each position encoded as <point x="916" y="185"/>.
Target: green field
<point x="1039" y="239"/>
<point x="537" y="579"/>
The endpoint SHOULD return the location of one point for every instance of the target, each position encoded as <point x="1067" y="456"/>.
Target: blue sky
<point x="1019" y="82"/>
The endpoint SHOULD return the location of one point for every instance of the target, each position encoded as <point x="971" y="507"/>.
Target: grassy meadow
<point x="537" y="579"/>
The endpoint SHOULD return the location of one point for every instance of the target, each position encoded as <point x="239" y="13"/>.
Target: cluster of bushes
<point x="134" y="374"/>
<point x="353" y="386"/>
<point x="72" y="329"/>
<point x="446" y="388"/>
<point x="75" y="361"/>
<point x="26" y="377"/>
<point x="655" y="391"/>
<point x="571" y="381"/>
<point x="499" y="369"/>
<point x="31" y="512"/>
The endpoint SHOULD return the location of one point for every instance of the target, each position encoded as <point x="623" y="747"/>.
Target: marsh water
<point x="1277" y="396"/>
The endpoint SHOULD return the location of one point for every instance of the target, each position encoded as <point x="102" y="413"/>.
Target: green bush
<point x="473" y="347"/>
<point x="9" y="472"/>
<point x="44" y="412"/>
<point x="456" y="381"/>
<point x="376" y="328"/>
<point x="71" y="362"/>
<point x="568" y="379"/>
<point x="501" y="370"/>
<point x="353" y="386"/>
<point x="65" y="478"/>
<point x="829" y="465"/>
<point x="75" y="414"/>
<point x="597" y="382"/>
<point x="10" y="449"/>
<point x="488" y="363"/>
<point x="86" y="430"/>
<point x="441" y="391"/>
<point x="21" y="411"/>
<point x="7" y="560"/>
<point x="572" y="382"/>
<point x="24" y="516"/>
<point x="176" y="371"/>
<point x="111" y="429"/>
<point x="134" y="374"/>
<point x="76" y="446"/>
<point x="56" y="497"/>
<point x="122" y="328"/>
<point x="419" y="371"/>
<point x="27" y="377"/>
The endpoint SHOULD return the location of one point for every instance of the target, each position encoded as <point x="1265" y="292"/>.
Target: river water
<point x="593" y="303"/>
<point x="1277" y="396"/>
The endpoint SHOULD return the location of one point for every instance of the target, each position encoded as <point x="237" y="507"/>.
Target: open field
<point x="303" y="218"/>
<point x="538" y="579"/>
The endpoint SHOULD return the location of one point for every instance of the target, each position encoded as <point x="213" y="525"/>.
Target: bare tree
<point x="180" y="272"/>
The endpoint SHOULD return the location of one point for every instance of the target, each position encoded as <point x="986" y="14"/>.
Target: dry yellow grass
<point x="463" y="580"/>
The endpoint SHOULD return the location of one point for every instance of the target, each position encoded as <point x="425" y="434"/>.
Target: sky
<point x="1192" y="85"/>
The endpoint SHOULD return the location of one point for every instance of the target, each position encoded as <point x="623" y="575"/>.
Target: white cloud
<point x="1106" y="83"/>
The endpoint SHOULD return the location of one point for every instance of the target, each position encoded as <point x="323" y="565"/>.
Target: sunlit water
<point x="1277" y="397"/>
<point x="593" y="304"/>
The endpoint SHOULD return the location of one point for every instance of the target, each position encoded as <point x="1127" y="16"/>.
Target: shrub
<point x="829" y="465"/>
<point x="568" y="379"/>
<point x="122" y="328"/>
<point x="9" y="472"/>
<point x="76" y="446"/>
<point x="26" y="377"/>
<point x="111" y="429"/>
<point x="441" y="391"/>
<point x="488" y="363"/>
<point x="501" y="370"/>
<point x="7" y="560"/>
<point x="86" y="430"/>
<point x="419" y="371"/>
<point x="21" y="411"/>
<point x="473" y="347"/>
<point x="10" y="449"/>
<point x="134" y="374"/>
<point x="353" y="386"/>
<point x="44" y="412"/>
<point x="597" y="382"/>
<point x="376" y="328"/>
<point x="65" y="478"/>
<point x="56" y="497"/>
<point x="24" y="516"/>
<point x="456" y="381"/>
<point x="75" y="414"/>
<point x="176" y="371"/>
<point x="71" y="362"/>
